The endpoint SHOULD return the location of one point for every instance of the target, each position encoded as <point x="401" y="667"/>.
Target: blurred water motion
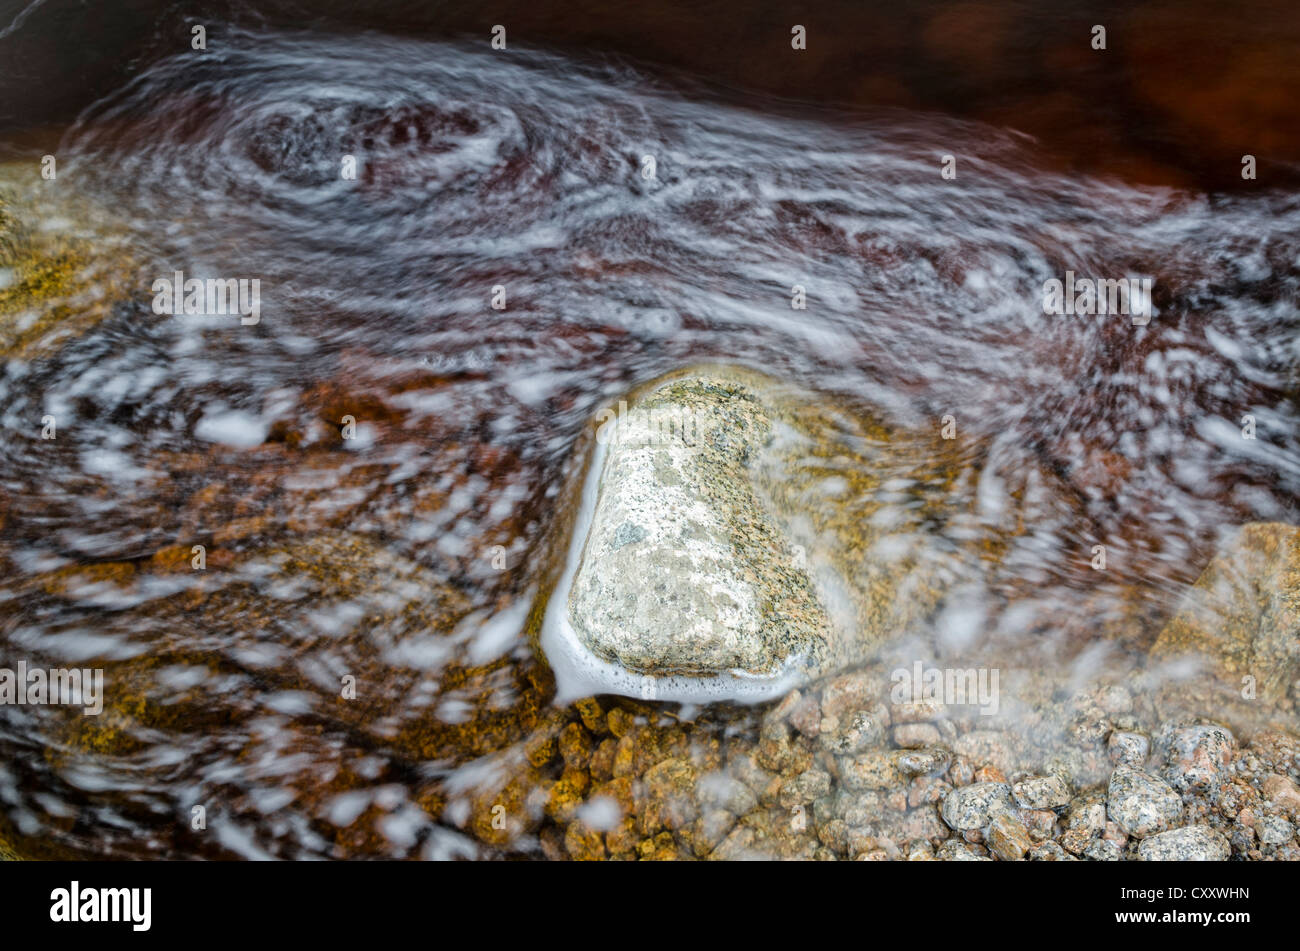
<point x="374" y="557"/>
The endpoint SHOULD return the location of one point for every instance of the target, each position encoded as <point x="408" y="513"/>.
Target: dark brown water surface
<point x="380" y="557"/>
<point x="1183" y="89"/>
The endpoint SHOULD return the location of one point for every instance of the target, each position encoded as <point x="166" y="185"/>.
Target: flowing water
<point x="407" y="557"/>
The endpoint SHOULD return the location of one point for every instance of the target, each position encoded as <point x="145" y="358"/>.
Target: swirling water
<point x="381" y="557"/>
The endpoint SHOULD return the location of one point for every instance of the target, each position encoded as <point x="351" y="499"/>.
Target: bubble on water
<point x="494" y="636"/>
<point x="232" y="428"/>
<point x="601" y="813"/>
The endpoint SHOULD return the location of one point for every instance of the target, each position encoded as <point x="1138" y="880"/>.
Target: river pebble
<point x="974" y="807"/>
<point x="1274" y="830"/>
<point x="1142" y="804"/>
<point x="1188" y="844"/>
<point x="1196" y="755"/>
<point x="1008" y="838"/>
<point x="1129" y="749"/>
<point x="1041" y="792"/>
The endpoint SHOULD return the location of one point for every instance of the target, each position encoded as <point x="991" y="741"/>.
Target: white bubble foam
<point x="232" y="428"/>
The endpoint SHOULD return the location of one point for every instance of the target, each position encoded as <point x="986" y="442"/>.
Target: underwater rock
<point x="1243" y="613"/>
<point x="1274" y="830"/>
<point x="1008" y="838"/>
<point x="361" y="635"/>
<point x="1041" y="792"/>
<point x="7" y="854"/>
<point x="1128" y="748"/>
<point x="724" y="546"/>
<point x="683" y="572"/>
<point x="975" y="806"/>
<point x="1196" y="756"/>
<point x="63" y="265"/>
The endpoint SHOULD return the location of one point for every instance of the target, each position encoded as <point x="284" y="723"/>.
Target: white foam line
<point x="18" y="20"/>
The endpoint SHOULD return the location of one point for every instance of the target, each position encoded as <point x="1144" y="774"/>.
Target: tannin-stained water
<point x="407" y="557"/>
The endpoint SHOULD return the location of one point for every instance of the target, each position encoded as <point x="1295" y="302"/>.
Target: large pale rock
<point x="725" y="545"/>
<point x="683" y="569"/>
<point x="1243" y="614"/>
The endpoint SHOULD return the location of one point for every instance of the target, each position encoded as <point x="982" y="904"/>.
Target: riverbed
<point x="376" y="468"/>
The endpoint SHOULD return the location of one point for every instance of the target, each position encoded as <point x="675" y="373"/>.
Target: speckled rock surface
<point x="1008" y="838"/>
<point x="974" y="807"/>
<point x="725" y="532"/>
<point x="628" y="780"/>
<point x="1041" y="792"/>
<point x="1142" y="804"/>
<point x="1274" y="831"/>
<point x="63" y="265"/>
<point x="1196" y="755"/>
<point x="1129" y="748"/>
<point x="684" y="570"/>
<point x="1188" y="844"/>
<point x="1243" y="614"/>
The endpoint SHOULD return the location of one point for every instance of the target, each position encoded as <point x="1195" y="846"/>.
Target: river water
<point x="407" y="557"/>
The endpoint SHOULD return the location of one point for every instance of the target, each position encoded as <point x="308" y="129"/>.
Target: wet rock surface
<point x="670" y="790"/>
<point x="64" y="266"/>
<point x="973" y="807"/>
<point x="7" y="854"/>
<point x="1141" y="804"/>
<point x="407" y="557"/>
<point x="726" y="549"/>
<point x="845" y="767"/>
<point x="1188" y="844"/>
<point x="683" y="570"/>
<point x="1243" y="613"/>
<point x="1042" y="792"/>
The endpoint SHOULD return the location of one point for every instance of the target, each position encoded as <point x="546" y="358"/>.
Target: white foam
<point x="580" y="673"/>
<point x="232" y="428"/>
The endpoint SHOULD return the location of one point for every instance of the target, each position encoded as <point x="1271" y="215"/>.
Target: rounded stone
<point x="1042" y="792"/>
<point x="710" y="557"/>
<point x="975" y="806"/>
<point x="1188" y="844"/>
<point x="1142" y="804"/>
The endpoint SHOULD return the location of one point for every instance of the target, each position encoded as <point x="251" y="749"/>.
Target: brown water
<point x="374" y="557"/>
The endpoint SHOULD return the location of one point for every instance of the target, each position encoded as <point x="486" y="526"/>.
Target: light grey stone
<point x="1188" y="844"/>
<point x="1041" y="792"/>
<point x="1142" y="804"/>
<point x="973" y="807"/>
